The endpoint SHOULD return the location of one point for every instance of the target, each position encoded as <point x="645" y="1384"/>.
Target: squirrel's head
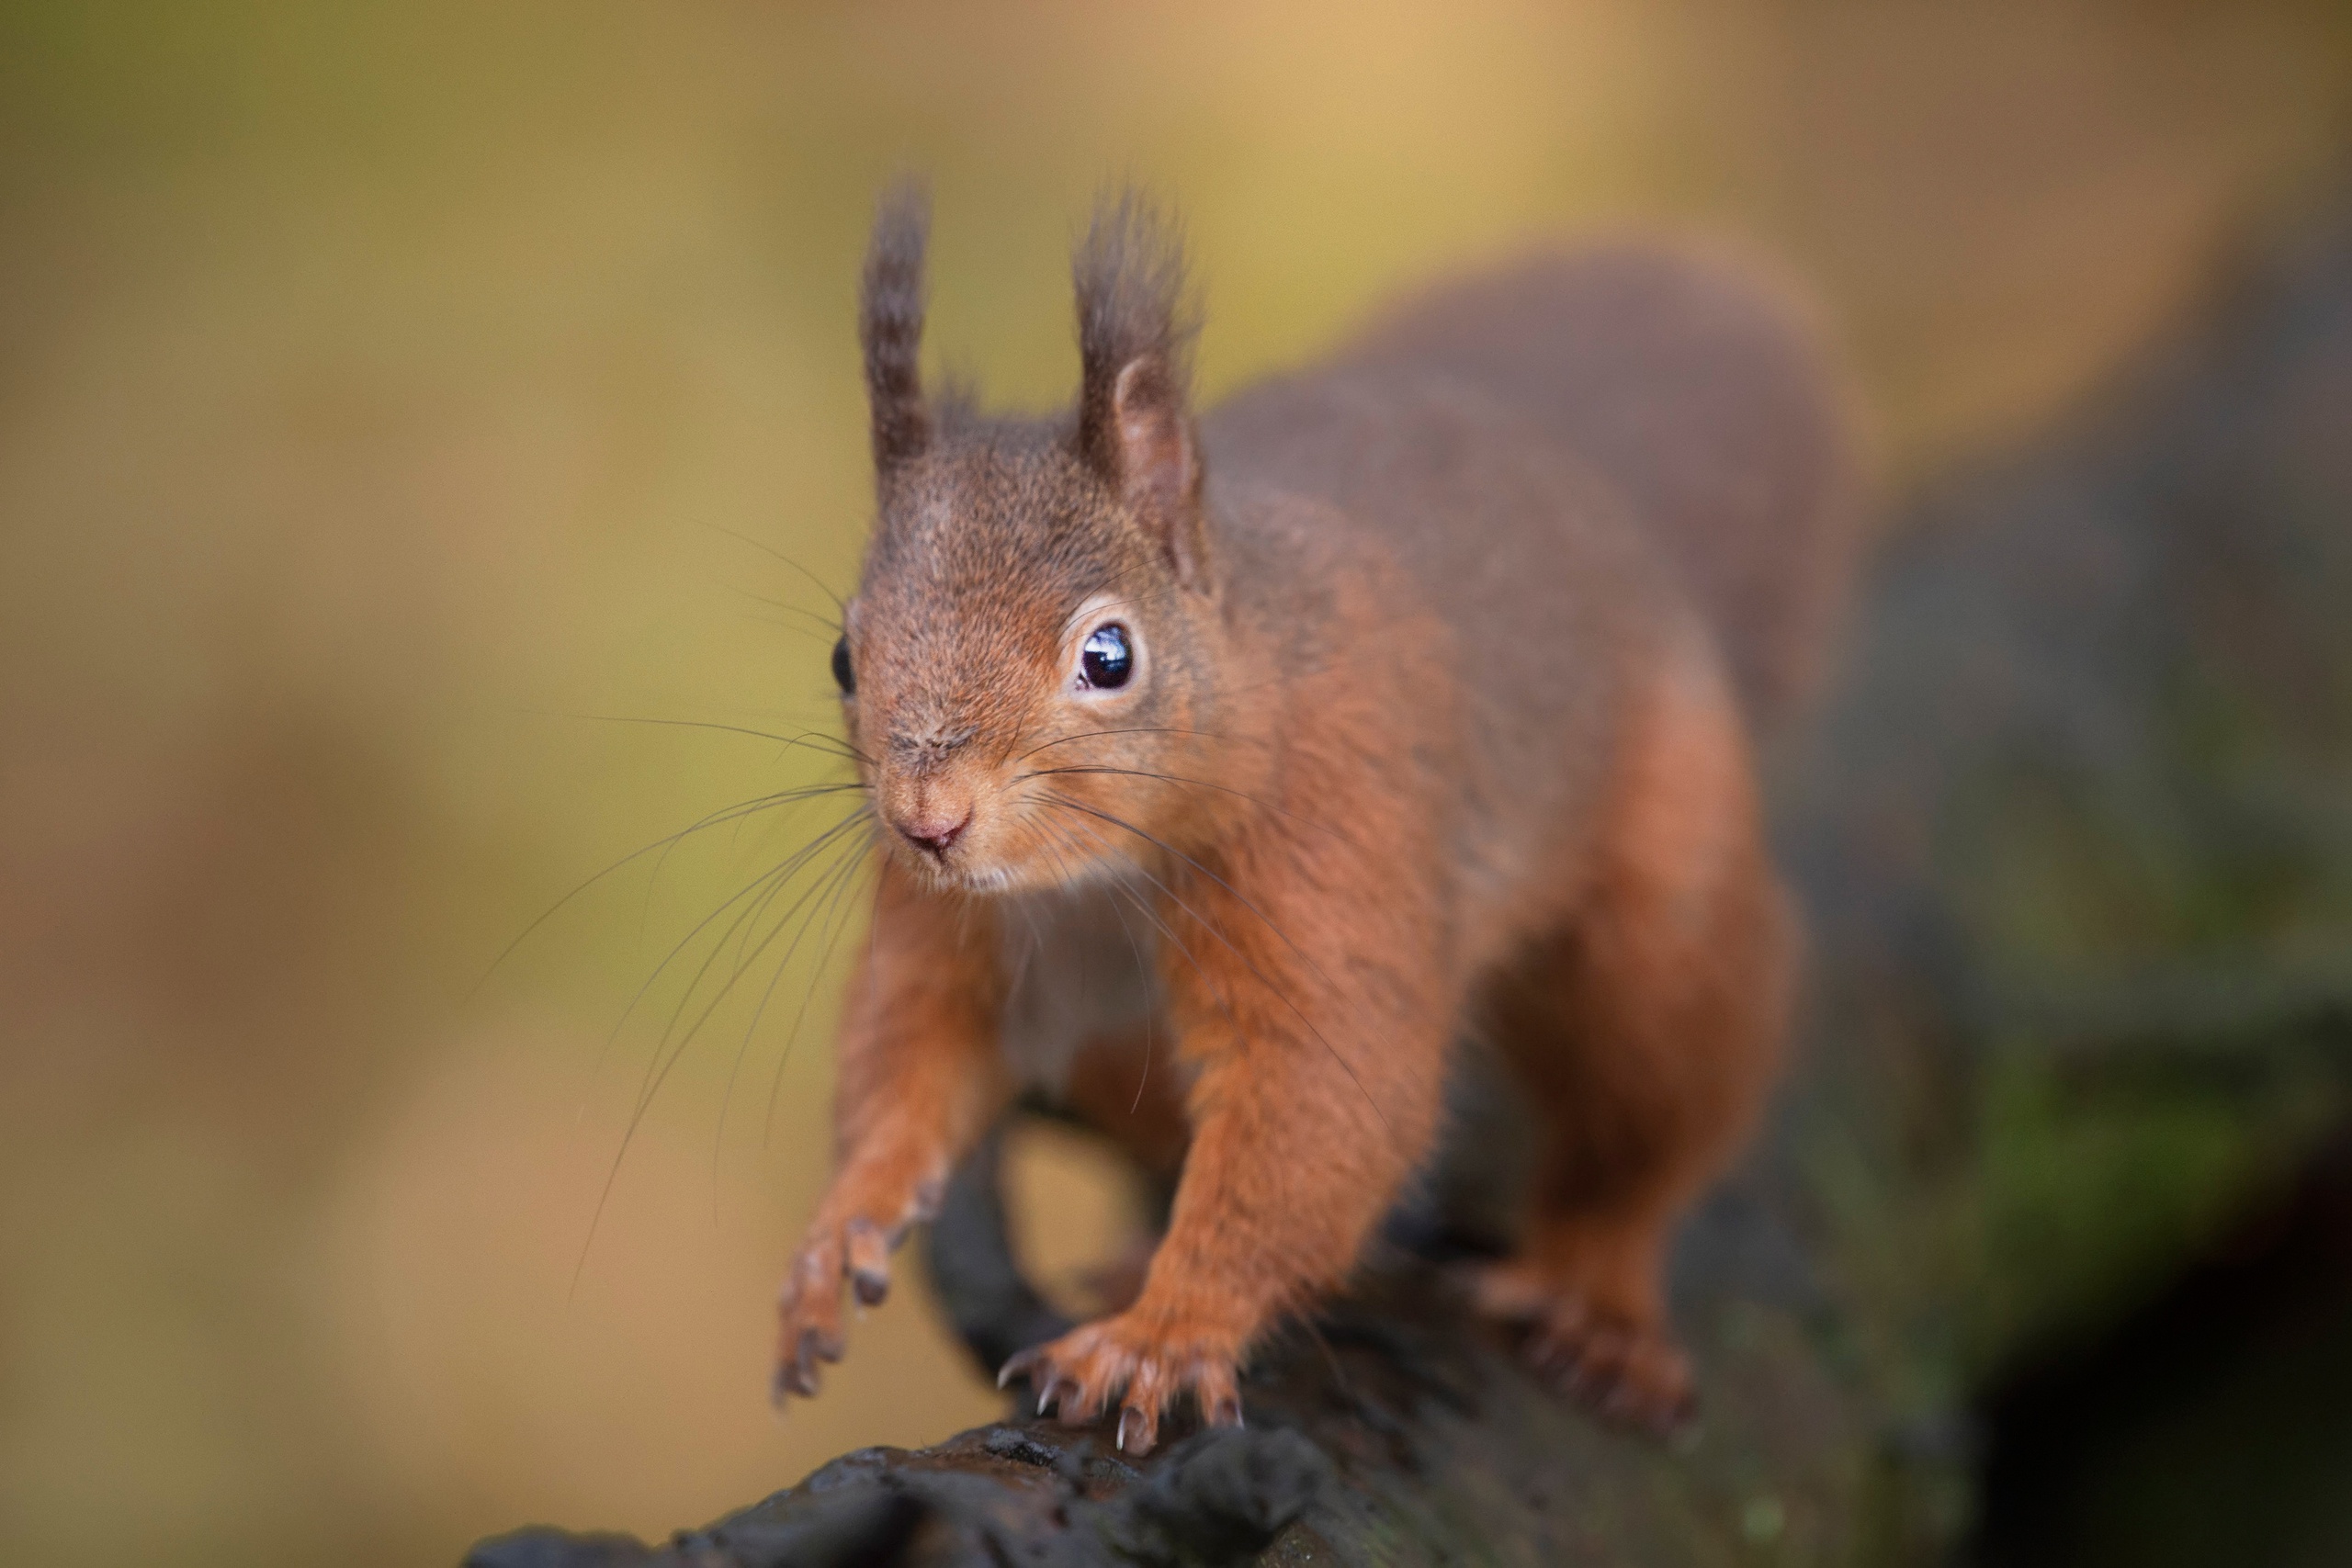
<point x="1031" y="653"/>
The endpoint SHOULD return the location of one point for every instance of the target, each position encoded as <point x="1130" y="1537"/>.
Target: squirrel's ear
<point x="1135" y="339"/>
<point x="889" y="323"/>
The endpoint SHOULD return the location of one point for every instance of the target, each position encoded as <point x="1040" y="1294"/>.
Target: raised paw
<point x="855" y="1252"/>
<point x="1144" y="1367"/>
<point x="1622" y="1367"/>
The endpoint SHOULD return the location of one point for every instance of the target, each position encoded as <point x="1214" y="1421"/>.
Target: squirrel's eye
<point x="844" y="676"/>
<point x="1105" y="660"/>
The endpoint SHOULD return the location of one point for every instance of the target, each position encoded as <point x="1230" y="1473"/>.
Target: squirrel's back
<point x="1704" y="397"/>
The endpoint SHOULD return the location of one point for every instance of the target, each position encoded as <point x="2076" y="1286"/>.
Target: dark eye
<point x="1105" y="660"/>
<point x="844" y="676"/>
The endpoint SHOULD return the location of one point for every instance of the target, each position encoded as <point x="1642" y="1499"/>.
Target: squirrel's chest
<point x="1080" y="966"/>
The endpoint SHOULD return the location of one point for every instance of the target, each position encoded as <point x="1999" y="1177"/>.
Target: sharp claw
<point x="1225" y="1412"/>
<point x="1136" y="1431"/>
<point x="1019" y="1365"/>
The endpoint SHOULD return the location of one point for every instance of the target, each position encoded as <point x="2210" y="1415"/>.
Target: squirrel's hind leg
<point x="1646" y="1028"/>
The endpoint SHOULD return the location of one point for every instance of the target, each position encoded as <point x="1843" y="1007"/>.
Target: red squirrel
<point x="1406" y="697"/>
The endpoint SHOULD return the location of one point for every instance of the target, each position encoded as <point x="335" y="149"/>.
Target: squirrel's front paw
<point x="855" y="1252"/>
<point x="1078" y="1375"/>
<point x="858" y="1253"/>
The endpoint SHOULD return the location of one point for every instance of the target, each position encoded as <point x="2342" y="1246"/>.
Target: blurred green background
<point x="374" y="387"/>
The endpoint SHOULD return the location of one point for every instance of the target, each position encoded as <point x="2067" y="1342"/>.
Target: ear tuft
<point x="890" y="322"/>
<point x="1135" y="327"/>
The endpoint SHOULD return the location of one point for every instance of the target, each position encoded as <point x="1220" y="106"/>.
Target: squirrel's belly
<point x="1082" y="967"/>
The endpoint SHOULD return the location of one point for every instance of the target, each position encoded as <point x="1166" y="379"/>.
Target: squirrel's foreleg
<point x="920" y="1079"/>
<point x="1311" y="1107"/>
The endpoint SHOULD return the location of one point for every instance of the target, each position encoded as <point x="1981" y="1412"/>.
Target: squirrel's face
<point x="1028" y="663"/>
<point x="1021" y="672"/>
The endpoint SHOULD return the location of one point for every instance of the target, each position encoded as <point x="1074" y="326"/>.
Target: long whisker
<point x="838" y="905"/>
<point x="822" y="639"/>
<point x="814" y="740"/>
<point x="841" y="872"/>
<point x="716" y="818"/>
<point x="1134" y="950"/>
<point x="1143" y="729"/>
<point x="661" y="862"/>
<point x="1278" y="992"/>
<point x="766" y="549"/>
<point x="819" y="622"/>
<point x="1217" y="992"/>
<point x="746" y="954"/>
<point x="1167" y="848"/>
<point x="1070" y="878"/>
<point x="653" y="1086"/>
<point x="1198" y="783"/>
<point x="784" y="872"/>
<point x="751" y="889"/>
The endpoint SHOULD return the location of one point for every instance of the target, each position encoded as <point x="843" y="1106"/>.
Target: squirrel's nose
<point x="934" y="834"/>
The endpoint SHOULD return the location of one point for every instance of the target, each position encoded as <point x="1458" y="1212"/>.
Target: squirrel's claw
<point x="1081" y="1374"/>
<point x="1138" y="1430"/>
<point x="1628" y="1373"/>
<point x="869" y="1260"/>
<point x="809" y="1310"/>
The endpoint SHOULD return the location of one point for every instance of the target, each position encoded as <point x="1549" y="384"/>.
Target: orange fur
<point x="1419" y="731"/>
<point x="1646" y="1026"/>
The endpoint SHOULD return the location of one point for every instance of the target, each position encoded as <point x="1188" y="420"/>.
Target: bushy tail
<point x="1707" y="397"/>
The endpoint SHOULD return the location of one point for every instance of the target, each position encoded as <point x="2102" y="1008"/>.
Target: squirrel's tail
<point x="1708" y="396"/>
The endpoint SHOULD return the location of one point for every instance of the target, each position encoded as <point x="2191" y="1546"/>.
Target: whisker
<point x="782" y="872"/>
<point x="1217" y="992"/>
<point x="819" y="622"/>
<point x="1143" y="972"/>
<point x="745" y="956"/>
<point x="822" y="586"/>
<point x="716" y="818"/>
<point x="1199" y="783"/>
<point x="837" y="904"/>
<point x="842" y="870"/>
<point x="820" y="638"/>
<point x="1168" y="848"/>
<point x="661" y="862"/>
<point x="814" y="740"/>
<point x="1279" y="994"/>
<point x="1143" y="729"/>
<point x="1070" y="878"/>
<point x="650" y="1089"/>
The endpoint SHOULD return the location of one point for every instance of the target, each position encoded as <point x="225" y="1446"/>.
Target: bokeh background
<point x="383" y="391"/>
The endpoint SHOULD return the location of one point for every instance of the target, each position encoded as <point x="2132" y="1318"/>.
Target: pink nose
<point x="934" y="834"/>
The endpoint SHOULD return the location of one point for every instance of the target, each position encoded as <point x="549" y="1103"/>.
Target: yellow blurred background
<point x="379" y="391"/>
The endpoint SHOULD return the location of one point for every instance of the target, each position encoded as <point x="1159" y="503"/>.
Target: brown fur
<point x="1436" y="722"/>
